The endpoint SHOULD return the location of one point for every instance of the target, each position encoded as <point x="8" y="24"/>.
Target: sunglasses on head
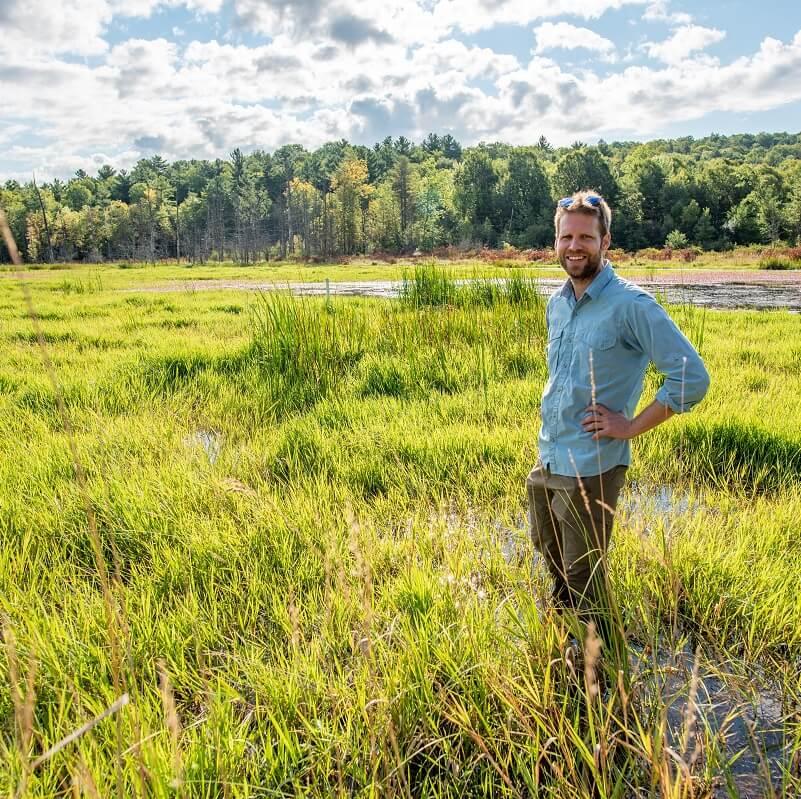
<point x="593" y="199"/>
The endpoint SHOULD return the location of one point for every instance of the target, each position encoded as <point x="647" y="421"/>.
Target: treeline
<point x="398" y="197"/>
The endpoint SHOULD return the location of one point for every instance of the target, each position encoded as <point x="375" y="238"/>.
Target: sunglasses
<point x="592" y="199"/>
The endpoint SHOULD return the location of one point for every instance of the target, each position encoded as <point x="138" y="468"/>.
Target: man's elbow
<point x="698" y="386"/>
<point x="681" y="393"/>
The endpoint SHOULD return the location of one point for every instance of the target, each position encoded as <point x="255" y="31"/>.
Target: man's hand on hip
<point x="604" y="423"/>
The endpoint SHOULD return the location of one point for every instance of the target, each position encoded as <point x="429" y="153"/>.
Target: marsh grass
<point x="779" y="263"/>
<point x="331" y="605"/>
<point x="432" y="285"/>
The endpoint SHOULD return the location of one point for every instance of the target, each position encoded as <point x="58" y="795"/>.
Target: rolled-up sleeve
<point x="654" y="333"/>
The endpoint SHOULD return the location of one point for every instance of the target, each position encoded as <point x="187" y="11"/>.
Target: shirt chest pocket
<point x="600" y="340"/>
<point x="595" y="353"/>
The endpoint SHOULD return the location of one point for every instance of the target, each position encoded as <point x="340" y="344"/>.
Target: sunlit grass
<point x="313" y="517"/>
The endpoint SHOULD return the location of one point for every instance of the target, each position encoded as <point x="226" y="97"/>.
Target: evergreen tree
<point x="704" y="232"/>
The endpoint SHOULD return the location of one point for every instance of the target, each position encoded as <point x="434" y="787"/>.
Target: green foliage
<point x="431" y="285"/>
<point x="704" y="231"/>
<point x="428" y="285"/>
<point x="734" y="453"/>
<point x="397" y="197"/>
<point x="475" y="197"/>
<point x="776" y="262"/>
<point x="584" y="168"/>
<point x="676" y="240"/>
<point x="301" y="349"/>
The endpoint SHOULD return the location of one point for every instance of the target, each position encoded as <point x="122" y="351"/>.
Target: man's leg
<point x="585" y="515"/>
<point x="544" y="528"/>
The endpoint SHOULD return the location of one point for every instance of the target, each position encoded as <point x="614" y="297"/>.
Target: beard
<point x="591" y="266"/>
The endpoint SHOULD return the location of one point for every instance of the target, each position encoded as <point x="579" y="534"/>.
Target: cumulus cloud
<point x="408" y="21"/>
<point x="562" y="35"/>
<point x="688" y="90"/>
<point x="684" y="41"/>
<point x="360" y="72"/>
<point x="658" y="11"/>
<point x="474" y="15"/>
<point x="75" y="26"/>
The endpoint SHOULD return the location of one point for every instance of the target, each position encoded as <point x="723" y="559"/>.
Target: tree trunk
<point x="44" y="216"/>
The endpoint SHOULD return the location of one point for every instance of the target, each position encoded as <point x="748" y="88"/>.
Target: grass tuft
<point x="733" y="454"/>
<point x="777" y="262"/>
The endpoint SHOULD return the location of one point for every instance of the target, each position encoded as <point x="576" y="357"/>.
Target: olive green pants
<point x="571" y="523"/>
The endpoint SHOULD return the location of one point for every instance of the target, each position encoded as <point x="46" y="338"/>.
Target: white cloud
<point x="474" y="15"/>
<point x="562" y="35"/>
<point x="657" y="11"/>
<point x="74" y="26"/>
<point x="353" y="22"/>
<point x="684" y="41"/>
<point x="144" y="96"/>
<point x="51" y="163"/>
<point x="542" y="98"/>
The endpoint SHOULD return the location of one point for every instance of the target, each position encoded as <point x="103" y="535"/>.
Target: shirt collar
<point x="599" y="283"/>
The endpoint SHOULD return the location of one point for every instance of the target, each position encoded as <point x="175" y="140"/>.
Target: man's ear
<point x="606" y="241"/>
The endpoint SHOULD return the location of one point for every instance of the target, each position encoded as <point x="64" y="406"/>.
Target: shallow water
<point x="208" y="440"/>
<point x="740" y="718"/>
<point x="723" y="294"/>
<point x="740" y="714"/>
<point x="663" y="500"/>
<point x="636" y="500"/>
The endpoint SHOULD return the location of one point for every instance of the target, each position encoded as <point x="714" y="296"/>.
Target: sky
<point x="89" y="82"/>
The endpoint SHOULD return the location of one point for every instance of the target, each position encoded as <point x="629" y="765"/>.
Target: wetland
<point x="295" y="542"/>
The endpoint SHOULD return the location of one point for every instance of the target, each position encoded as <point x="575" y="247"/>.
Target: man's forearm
<point x="600" y="422"/>
<point x="650" y="417"/>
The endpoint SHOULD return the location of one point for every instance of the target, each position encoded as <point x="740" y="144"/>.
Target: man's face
<point x="580" y="247"/>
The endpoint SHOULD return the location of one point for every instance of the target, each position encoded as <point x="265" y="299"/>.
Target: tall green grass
<point x="341" y="602"/>
<point x="432" y="285"/>
<point x="302" y="349"/>
<point x="779" y="263"/>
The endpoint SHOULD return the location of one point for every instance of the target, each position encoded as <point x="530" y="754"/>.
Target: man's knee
<point x="578" y="575"/>
<point x="586" y="576"/>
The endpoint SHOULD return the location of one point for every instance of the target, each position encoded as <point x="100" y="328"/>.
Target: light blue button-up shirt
<point x="624" y="328"/>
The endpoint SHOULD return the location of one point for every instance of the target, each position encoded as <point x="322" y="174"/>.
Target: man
<point x="602" y="333"/>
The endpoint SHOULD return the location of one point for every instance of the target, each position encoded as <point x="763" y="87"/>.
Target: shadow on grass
<point x="732" y="454"/>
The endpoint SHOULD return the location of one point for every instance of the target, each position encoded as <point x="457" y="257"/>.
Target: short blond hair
<point x="583" y="204"/>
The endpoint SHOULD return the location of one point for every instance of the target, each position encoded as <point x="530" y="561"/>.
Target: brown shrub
<point x="654" y="254"/>
<point x="688" y="254"/>
<point x="617" y="256"/>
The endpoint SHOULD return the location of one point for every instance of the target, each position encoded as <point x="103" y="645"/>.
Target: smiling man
<point x="603" y="331"/>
